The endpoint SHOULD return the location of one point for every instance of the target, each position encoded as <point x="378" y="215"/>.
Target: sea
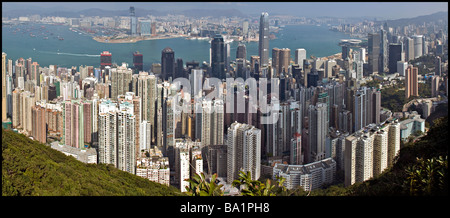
<point x="42" y="43"/>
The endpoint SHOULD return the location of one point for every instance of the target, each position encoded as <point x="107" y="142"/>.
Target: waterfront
<point x="80" y="49"/>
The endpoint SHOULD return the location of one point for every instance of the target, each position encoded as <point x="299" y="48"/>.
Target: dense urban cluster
<point x="324" y="121"/>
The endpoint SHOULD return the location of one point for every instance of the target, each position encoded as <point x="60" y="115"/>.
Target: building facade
<point x="310" y="176"/>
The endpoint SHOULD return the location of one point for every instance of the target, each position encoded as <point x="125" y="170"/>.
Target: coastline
<point x="133" y="39"/>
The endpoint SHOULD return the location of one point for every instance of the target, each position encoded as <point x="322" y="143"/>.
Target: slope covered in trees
<point x="30" y="168"/>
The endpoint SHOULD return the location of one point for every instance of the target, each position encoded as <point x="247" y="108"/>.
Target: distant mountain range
<point x="139" y="13"/>
<point x="443" y="15"/>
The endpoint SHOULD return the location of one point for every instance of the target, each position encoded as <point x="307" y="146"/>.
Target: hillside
<point x="30" y="168"/>
<point x="443" y="15"/>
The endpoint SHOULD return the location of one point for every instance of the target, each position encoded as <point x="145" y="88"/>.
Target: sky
<point x="387" y="10"/>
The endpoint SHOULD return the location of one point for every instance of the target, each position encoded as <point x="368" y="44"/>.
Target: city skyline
<point x="274" y="110"/>
<point x="383" y="10"/>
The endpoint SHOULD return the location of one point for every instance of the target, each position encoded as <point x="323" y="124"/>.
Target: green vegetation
<point x="425" y="64"/>
<point x="200" y="187"/>
<point x="373" y="83"/>
<point x="30" y="168"/>
<point x="425" y="89"/>
<point x="393" y="97"/>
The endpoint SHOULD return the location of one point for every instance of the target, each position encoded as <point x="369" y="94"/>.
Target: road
<point x="406" y="106"/>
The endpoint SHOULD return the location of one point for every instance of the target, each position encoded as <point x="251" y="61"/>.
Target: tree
<point x="200" y="187"/>
<point x="428" y="177"/>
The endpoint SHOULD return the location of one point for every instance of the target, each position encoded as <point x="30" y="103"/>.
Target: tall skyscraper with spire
<point x="264" y="39"/>
<point x="133" y="22"/>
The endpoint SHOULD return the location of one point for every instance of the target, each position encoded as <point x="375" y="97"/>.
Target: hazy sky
<point x="388" y="10"/>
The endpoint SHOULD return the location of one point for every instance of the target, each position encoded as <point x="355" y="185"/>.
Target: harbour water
<point x="44" y="44"/>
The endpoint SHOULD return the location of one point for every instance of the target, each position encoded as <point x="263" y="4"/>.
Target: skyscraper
<point x="437" y="66"/>
<point x="212" y="122"/>
<point x="117" y="133"/>
<point x="126" y="136"/>
<point x="393" y="141"/>
<point x="376" y="106"/>
<point x="435" y="86"/>
<point x="120" y="80"/>
<point x="241" y="52"/>
<point x="179" y="69"/>
<point x="107" y="128"/>
<point x="411" y="82"/>
<point x="263" y="48"/>
<point x="28" y="68"/>
<point x="226" y="56"/>
<point x="418" y="46"/>
<point x="296" y="149"/>
<point x="73" y="131"/>
<point x="145" y="136"/>
<point x="243" y="151"/>
<point x="276" y="61"/>
<point x="137" y="62"/>
<point x="384" y="52"/>
<point x="374" y="52"/>
<point x="380" y="152"/>
<point x="35" y="75"/>
<point x="284" y="61"/>
<point x="4" y="101"/>
<point x="395" y="55"/>
<point x="300" y="55"/>
<point x="217" y="160"/>
<point x="318" y="129"/>
<point x="16" y="107"/>
<point x="345" y="51"/>
<point x="130" y="98"/>
<point x="167" y="63"/>
<point x="146" y="28"/>
<point x="105" y="59"/>
<point x="359" y="109"/>
<point x="217" y="57"/>
<point x="401" y="67"/>
<point x="409" y="48"/>
<point x="147" y="90"/>
<point x="133" y="22"/>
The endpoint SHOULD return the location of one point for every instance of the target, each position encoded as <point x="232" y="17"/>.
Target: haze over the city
<point x="385" y="10"/>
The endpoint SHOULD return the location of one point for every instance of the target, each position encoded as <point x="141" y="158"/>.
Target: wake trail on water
<point x="70" y="54"/>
